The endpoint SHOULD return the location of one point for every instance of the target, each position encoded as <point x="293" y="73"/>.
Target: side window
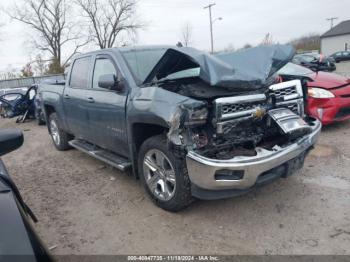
<point x="338" y="54"/>
<point x="103" y="66"/>
<point x="80" y="73"/>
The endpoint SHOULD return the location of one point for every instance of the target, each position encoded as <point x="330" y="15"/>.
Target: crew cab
<point x="188" y="124"/>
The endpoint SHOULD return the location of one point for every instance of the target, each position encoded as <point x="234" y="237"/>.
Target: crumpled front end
<point x="240" y="174"/>
<point x="233" y="144"/>
<point x="228" y="119"/>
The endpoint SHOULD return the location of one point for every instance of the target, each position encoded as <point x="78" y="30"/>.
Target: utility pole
<point x="331" y="19"/>
<point x="211" y="26"/>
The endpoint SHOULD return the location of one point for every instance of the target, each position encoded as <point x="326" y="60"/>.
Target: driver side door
<point x="106" y="109"/>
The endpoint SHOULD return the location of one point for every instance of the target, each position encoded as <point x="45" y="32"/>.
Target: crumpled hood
<point x="246" y="70"/>
<point x="327" y="80"/>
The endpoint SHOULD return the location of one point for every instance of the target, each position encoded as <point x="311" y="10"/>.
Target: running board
<point x="108" y="157"/>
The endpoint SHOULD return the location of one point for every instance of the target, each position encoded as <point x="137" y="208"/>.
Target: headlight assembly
<point x="197" y="117"/>
<point x="319" y="93"/>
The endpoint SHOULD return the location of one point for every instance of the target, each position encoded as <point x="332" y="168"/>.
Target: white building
<point x="336" y="39"/>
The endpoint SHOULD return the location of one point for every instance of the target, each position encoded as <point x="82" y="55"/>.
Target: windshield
<point x="293" y="69"/>
<point x="141" y="62"/>
<point x="193" y="72"/>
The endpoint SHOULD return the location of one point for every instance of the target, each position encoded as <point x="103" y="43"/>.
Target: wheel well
<point x="141" y="132"/>
<point x="49" y="110"/>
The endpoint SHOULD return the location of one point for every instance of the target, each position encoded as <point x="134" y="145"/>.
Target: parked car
<point x="19" y="242"/>
<point x="315" y="62"/>
<point x="341" y="56"/>
<point x="328" y="93"/>
<point x="16" y="104"/>
<point x="3" y="92"/>
<point x="189" y="124"/>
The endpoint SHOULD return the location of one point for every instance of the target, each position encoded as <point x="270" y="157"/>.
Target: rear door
<point x="338" y="56"/>
<point x="107" y="109"/>
<point x="74" y="97"/>
<point x="346" y="56"/>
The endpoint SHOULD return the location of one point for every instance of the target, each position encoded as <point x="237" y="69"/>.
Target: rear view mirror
<point x="10" y="140"/>
<point x="109" y="82"/>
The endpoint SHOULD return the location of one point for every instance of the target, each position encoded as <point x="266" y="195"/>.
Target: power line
<point x="331" y="19"/>
<point x="211" y="25"/>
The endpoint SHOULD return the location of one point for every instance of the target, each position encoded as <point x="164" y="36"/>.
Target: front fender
<point x="156" y="106"/>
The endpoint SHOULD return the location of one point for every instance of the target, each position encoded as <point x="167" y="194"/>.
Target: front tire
<point x="59" y="137"/>
<point x="163" y="175"/>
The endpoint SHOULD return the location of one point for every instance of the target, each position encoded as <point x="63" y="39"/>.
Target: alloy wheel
<point x="54" y="132"/>
<point x="159" y="174"/>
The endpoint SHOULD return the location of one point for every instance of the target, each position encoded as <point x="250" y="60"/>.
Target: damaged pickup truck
<point x="188" y="124"/>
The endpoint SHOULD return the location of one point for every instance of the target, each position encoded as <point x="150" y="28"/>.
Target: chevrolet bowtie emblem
<point x="259" y="112"/>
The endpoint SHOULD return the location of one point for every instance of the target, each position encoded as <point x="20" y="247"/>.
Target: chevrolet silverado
<point x="187" y="123"/>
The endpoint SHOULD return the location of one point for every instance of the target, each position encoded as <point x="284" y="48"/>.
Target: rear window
<point x="80" y="73"/>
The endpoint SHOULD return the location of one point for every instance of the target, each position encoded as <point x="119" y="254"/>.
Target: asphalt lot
<point x="86" y="207"/>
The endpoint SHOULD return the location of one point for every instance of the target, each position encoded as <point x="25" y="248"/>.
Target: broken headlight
<point x="291" y="124"/>
<point x="197" y="117"/>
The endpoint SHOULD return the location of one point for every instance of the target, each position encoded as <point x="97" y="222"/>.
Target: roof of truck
<point x="127" y="48"/>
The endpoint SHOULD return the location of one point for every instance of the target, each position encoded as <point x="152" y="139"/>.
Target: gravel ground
<point x="86" y="207"/>
<point x="343" y="68"/>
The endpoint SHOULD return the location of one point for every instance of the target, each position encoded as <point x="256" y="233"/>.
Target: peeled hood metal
<point x="246" y="70"/>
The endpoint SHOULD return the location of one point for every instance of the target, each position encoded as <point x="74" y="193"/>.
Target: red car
<point x="328" y="93"/>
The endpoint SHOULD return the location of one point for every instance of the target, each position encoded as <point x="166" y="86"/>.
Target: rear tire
<point x="59" y="137"/>
<point x="163" y="175"/>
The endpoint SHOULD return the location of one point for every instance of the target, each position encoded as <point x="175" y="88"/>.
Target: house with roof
<point x="336" y="39"/>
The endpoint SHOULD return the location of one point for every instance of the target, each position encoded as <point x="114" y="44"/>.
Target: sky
<point x="243" y="21"/>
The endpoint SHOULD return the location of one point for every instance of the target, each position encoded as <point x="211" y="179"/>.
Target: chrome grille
<point x="233" y="108"/>
<point x="281" y="93"/>
<point x="239" y="106"/>
<point x="289" y="95"/>
<point x="293" y="107"/>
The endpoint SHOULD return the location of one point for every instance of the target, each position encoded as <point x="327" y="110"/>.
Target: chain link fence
<point x="28" y="81"/>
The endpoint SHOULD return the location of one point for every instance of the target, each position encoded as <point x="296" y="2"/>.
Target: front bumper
<point x="329" y="110"/>
<point x="202" y="171"/>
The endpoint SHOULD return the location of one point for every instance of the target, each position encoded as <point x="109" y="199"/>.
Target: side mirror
<point x="109" y="82"/>
<point x="10" y="140"/>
